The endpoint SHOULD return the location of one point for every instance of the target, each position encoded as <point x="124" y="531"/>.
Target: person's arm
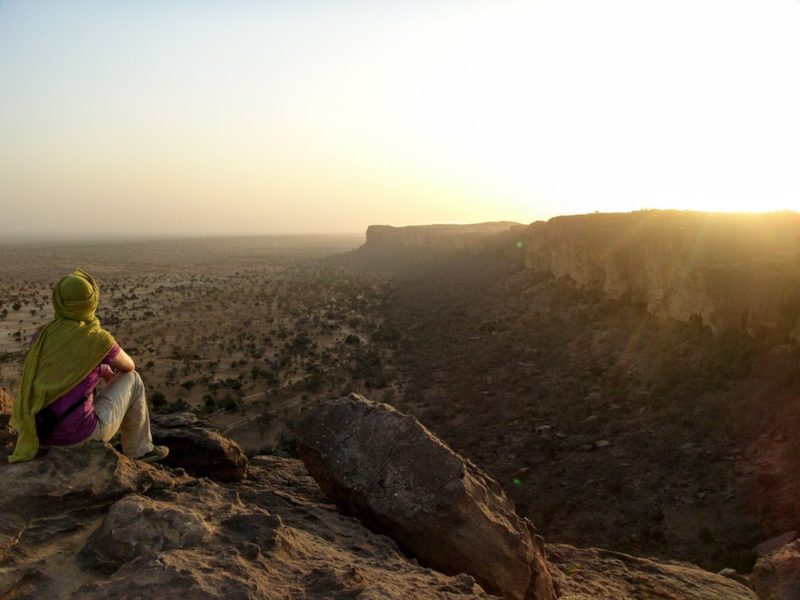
<point x="122" y="362"/>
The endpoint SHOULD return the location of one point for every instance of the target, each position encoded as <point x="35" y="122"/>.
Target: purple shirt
<point x="78" y="425"/>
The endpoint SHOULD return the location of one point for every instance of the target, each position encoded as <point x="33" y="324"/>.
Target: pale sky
<point x="297" y="116"/>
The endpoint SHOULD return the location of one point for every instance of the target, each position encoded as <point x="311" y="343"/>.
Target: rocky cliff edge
<point x="91" y="523"/>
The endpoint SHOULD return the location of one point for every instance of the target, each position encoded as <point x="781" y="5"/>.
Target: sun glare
<point x="578" y="107"/>
<point x="293" y="118"/>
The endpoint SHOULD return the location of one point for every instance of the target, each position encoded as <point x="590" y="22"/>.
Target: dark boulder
<point x="198" y="449"/>
<point x="388" y="470"/>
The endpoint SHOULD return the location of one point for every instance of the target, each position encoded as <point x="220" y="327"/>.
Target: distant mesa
<point x="435" y="236"/>
<point x="416" y="249"/>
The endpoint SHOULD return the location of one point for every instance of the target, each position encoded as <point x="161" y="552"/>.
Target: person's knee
<point x="138" y="384"/>
<point x="130" y="381"/>
<point x="131" y="377"/>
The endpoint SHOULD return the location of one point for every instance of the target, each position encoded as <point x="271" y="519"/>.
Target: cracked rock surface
<point x="90" y="523"/>
<point x="396" y="476"/>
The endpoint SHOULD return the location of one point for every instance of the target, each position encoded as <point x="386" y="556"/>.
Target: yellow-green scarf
<point x="64" y="352"/>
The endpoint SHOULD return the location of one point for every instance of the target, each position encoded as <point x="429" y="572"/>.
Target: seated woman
<point x="69" y="355"/>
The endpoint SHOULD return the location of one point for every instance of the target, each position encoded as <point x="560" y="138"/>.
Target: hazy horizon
<point x="196" y="119"/>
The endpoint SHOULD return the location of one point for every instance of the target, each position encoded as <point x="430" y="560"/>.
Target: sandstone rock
<point x="49" y="501"/>
<point x="396" y="476"/>
<point x="90" y="523"/>
<point x="183" y="575"/>
<point x="771" y="545"/>
<point x="137" y="525"/>
<point x="23" y="584"/>
<point x="680" y="264"/>
<point x="197" y="449"/>
<point x="777" y="576"/>
<point x="72" y="478"/>
<point x="212" y="544"/>
<point x="594" y="574"/>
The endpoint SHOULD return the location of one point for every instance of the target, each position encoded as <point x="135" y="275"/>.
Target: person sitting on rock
<point x="56" y="405"/>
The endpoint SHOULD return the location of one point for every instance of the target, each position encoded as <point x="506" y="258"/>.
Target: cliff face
<point x="442" y="237"/>
<point x="731" y="270"/>
<point x="411" y="251"/>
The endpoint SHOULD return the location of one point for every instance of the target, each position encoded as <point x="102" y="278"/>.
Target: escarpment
<point x="729" y="270"/>
<point x="407" y="251"/>
<point x="451" y="237"/>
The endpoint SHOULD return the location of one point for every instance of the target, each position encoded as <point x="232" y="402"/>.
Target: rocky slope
<point x="90" y="523"/>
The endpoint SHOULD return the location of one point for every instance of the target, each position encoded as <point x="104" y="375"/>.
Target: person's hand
<point x="107" y="373"/>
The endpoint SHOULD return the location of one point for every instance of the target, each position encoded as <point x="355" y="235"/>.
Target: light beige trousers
<point x="122" y="407"/>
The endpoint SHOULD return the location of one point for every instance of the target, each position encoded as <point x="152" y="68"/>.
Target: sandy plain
<point x="240" y="330"/>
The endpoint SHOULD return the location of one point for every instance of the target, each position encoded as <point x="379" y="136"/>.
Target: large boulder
<point x="198" y="449"/>
<point x="593" y="574"/>
<point x="397" y="477"/>
<point x="777" y="576"/>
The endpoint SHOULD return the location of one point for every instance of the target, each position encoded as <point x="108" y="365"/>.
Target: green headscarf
<point x="64" y="352"/>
